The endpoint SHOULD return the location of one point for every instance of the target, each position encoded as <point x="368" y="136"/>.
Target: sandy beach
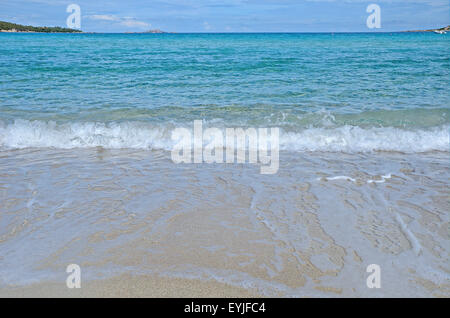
<point x="127" y="286"/>
<point x="215" y="230"/>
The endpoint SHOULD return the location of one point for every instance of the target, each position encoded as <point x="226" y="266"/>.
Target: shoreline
<point x="11" y="31"/>
<point x="309" y="231"/>
<point x="91" y="183"/>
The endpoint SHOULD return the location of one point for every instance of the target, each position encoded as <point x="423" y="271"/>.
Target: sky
<point x="230" y="15"/>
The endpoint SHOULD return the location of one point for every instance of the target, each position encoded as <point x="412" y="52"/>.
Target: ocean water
<point x="86" y="175"/>
<point x="371" y="91"/>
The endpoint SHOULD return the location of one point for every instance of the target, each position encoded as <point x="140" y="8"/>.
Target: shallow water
<point x="130" y="91"/>
<point x="300" y="232"/>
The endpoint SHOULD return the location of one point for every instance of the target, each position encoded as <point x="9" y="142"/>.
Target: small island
<point x="156" y="31"/>
<point x="443" y="30"/>
<point x="13" y="27"/>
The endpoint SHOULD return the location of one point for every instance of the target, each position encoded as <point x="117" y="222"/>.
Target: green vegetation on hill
<point x="6" y="26"/>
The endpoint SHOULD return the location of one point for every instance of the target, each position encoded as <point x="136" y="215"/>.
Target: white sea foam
<point x="26" y="134"/>
<point x="338" y="178"/>
<point x="347" y="178"/>
<point x="356" y="139"/>
<point x="141" y="135"/>
<point x="382" y="180"/>
<point x="411" y="237"/>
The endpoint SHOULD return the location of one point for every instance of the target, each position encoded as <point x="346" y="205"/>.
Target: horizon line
<point x="253" y="32"/>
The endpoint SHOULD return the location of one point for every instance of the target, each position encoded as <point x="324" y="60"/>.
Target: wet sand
<point x="140" y="226"/>
<point x="125" y="286"/>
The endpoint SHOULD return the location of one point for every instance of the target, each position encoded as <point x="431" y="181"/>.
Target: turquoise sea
<point x="86" y="177"/>
<point x="375" y="91"/>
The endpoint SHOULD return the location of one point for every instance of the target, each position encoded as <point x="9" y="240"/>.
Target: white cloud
<point x="104" y="17"/>
<point x="134" y="23"/>
<point x="206" y="26"/>
<point x="125" y="21"/>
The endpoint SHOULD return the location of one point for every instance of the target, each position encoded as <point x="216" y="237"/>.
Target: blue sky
<point x="229" y="15"/>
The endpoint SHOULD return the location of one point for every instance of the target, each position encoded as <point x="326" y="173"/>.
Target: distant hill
<point x="12" y="27"/>
<point x="149" y="31"/>
<point x="155" y="31"/>
<point x="444" y="29"/>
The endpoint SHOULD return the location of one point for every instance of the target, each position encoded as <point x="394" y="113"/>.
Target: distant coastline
<point x="8" y="27"/>
<point x="444" y="29"/>
<point x="18" y="28"/>
<point x="156" y="31"/>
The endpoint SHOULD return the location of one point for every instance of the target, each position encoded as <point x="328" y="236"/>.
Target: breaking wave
<point x="140" y="135"/>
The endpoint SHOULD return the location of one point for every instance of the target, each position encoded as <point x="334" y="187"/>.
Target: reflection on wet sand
<point x="302" y="232"/>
